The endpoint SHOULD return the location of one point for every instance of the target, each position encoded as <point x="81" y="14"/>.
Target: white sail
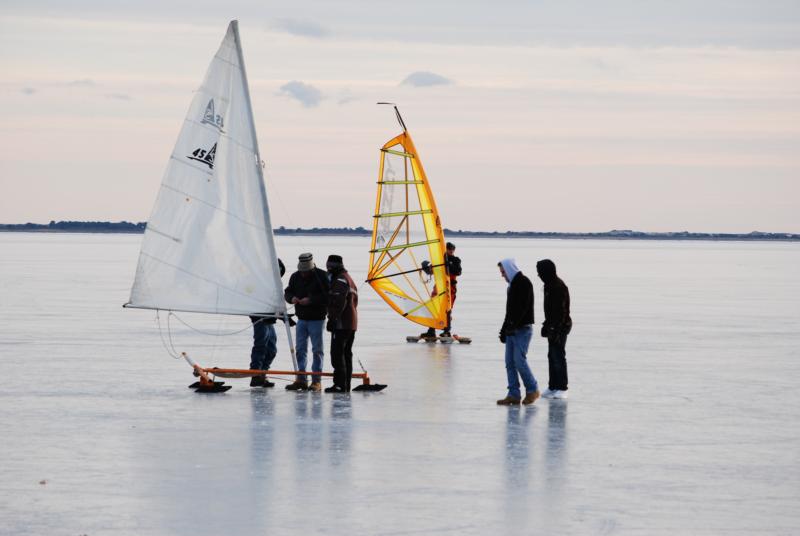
<point x="208" y="246"/>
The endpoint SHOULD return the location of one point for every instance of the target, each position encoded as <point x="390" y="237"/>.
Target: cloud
<point x="84" y="82"/>
<point x="425" y="79"/>
<point x="346" y="97"/>
<point x="118" y="96"/>
<point x="28" y="90"/>
<point x="306" y="94"/>
<point x="303" y="28"/>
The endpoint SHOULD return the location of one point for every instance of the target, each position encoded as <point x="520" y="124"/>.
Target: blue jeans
<point x="310" y="329"/>
<point x="264" y="345"/>
<point x="517" y="362"/>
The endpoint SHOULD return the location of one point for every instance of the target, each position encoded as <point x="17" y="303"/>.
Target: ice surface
<point x="683" y="416"/>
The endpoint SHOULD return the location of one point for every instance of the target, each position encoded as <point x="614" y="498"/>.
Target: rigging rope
<point x="171" y="351"/>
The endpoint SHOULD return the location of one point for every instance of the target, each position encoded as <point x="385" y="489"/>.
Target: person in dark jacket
<point x="342" y="323"/>
<point x="264" y="344"/>
<point x="556" y="327"/>
<point x="308" y="292"/>
<point x="516" y="334"/>
<point x="452" y="266"/>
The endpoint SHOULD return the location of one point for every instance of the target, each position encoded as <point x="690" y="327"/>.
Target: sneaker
<point x="257" y="381"/>
<point x="530" y="398"/>
<point x="508" y="401"/>
<point x="334" y="389"/>
<point x="562" y="395"/>
<point x="297" y="386"/>
<point x="548" y="393"/>
<point x="445" y="334"/>
<point x="316" y="387"/>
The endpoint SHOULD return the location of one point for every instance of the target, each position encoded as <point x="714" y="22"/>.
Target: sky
<point x="528" y="115"/>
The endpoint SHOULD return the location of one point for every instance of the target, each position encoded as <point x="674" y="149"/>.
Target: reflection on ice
<point x="340" y="428"/>
<point x="556" y="446"/>
<point x="518" y="445"/>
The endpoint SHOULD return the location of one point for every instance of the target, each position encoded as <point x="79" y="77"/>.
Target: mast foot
<point x="195" y="385"/>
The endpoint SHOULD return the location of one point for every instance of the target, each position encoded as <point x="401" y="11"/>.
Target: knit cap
<point x="306" y="263"/>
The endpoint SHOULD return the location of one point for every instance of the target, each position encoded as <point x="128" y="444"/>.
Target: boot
<point x="530" y="398"/>
<point x="508" y="401"/>
<point x="297" y="386"/>
<point x="258" y="381"/>
<point x="316" y="387"/>
<point x="430" y="334"/>
<point x="334" y="389"/>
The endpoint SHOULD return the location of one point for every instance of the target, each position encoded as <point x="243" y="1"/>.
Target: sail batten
<point x="407" y="251"/>
<point x="208" y="246"/>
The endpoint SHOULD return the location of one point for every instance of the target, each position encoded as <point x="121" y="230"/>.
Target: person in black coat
<point x="556" y="327"/>
<point x="516" y="334"/>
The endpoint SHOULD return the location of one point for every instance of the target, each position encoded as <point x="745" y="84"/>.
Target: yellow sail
<point x="406" y="259"/>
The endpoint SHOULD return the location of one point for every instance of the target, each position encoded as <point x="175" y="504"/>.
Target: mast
<point x="260" y="171"/>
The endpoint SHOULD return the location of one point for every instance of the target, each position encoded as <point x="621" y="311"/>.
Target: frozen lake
<point x="683" y="416"/>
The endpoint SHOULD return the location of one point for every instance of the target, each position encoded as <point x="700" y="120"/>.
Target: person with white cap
<point x="308" y="291"/>
<point x="516" y="334"/>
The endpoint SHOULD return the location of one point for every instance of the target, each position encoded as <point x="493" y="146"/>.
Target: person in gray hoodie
<point x="516" y="334"/>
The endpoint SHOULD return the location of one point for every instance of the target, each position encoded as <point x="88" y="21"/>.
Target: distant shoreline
<point x="138" y="228"/>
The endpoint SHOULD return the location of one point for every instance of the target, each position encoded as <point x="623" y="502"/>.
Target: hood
<point x="510" y="268"/>
<point x="546" y="270"/>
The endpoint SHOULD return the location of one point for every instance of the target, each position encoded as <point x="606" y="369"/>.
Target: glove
<point x="502" y="336"/>
<point x="330" y="325"/>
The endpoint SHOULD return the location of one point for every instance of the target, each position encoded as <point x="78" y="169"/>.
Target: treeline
<point x="626" y="234"/>
<point x="130" y="227"/>
<point x="347" y="231"/>
<point x="77" y="227"/>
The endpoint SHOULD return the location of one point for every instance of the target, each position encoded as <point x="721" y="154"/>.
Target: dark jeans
<point x="342" y="357"/>
<point x="557" y="360"/>
<point x="264" y="348"/>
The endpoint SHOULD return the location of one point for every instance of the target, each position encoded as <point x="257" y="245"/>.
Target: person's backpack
<point x="453" y="265"/>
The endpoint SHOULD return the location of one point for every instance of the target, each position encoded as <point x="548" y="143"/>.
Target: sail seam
<point x="209" y="92"/>
<point x="165" y="235"/>
<point x="229" y="62"/>
<point x="231" y="214"/>
<point x="218" y="285"/>
<point x="222" y="134"/>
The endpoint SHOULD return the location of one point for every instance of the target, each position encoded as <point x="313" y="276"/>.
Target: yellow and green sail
<point x="406" y="259"/>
